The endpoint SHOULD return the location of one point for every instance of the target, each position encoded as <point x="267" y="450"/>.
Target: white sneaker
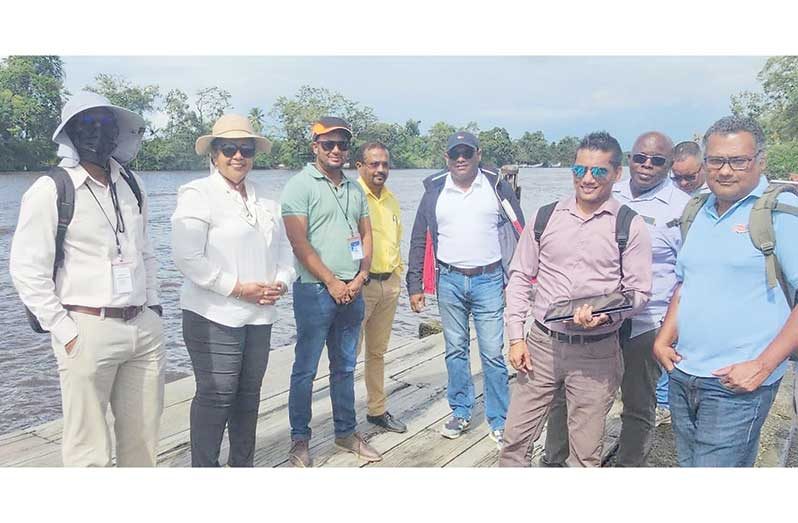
<point x="454" y="427"/>
<point x="497" y="436"/>
<point x="663" y="416"/>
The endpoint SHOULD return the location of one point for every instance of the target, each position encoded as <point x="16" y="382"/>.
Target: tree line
<point x="32" y="93"/>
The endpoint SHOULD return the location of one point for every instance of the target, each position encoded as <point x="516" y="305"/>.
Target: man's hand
<point x="250" y="291"/>
<point x="665" y="354"/>
<point x="417" y="302"/>
<point x="583" y="317"/>
<point x="272" y="292"/>
<point x="339" y="291"/>
<point x="70" y="345"/>
<point x="743" y="377"/>
<point x="355" y="286"/>
<point x="519" y="356"/>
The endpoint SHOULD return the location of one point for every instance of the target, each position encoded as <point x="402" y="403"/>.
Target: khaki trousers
<point x="381" y="298"/>
<point x="590" y="374"/>
<point x="118" y="363"/>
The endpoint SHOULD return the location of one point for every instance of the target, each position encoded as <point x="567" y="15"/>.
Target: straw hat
<point x="232" y="126"/>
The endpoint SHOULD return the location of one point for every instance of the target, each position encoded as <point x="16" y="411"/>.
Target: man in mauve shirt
<point x="577" y="257"/>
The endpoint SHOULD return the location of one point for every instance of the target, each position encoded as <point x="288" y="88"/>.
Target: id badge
<point x="356" y="247"/>
<point x="122" y="273"/>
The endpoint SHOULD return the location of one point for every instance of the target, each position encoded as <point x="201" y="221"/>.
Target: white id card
<point x="356" y="247"/>
<point x="122" y="273"/>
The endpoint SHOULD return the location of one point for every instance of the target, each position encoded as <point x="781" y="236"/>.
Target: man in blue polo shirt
<point x="734" y="331"/>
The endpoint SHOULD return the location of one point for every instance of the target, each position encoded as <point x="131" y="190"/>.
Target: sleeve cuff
<point x="152" y="298"/>
<point x="225" y="284"/>
<point x="515" y="331"/>
<point x="64" y="331"/>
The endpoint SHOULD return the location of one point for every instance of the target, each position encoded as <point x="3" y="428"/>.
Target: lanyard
<point x="345" y="212"/>
<point x="120" y="221"/>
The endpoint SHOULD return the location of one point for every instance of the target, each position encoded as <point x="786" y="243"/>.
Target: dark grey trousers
<point x="638" y="394"/>
<point x="229" y="364"/>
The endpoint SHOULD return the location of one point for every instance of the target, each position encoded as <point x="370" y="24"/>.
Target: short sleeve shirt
<point x="333" y="214"/>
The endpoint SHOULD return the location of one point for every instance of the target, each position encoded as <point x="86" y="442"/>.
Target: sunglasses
<point x="656" y="161"/>
<point x="95" y="120"/>
<point x="689" y="177"/>
<point x="581" y="170"/>
<point x="329" y="145"/>
<point x="230" y="150"/>
<point x="457" y="152"/>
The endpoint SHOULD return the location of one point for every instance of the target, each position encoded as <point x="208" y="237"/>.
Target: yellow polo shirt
<point x="386" y="229"/>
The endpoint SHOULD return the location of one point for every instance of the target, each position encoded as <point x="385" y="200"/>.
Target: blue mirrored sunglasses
<point x="91" y="119"/>
<point x="597" y="172"/>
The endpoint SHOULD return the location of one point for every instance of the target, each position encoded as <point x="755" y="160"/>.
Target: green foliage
<point x="497" y="147"/>
<point x="782" y="159"/>
<point x="31" y="97"/>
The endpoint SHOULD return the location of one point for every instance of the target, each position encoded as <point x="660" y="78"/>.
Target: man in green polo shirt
<point x="327" y="222"/>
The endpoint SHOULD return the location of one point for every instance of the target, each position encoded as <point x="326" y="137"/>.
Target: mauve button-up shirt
<point x="577" y="258"/>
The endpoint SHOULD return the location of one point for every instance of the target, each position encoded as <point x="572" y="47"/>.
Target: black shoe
<point x="388" y="422"/>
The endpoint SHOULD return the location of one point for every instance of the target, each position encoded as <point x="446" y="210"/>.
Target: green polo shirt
<point x="309" y="193"/>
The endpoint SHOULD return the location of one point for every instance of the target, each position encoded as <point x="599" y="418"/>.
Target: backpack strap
<point x="127" y="175"/>
<point x="763" y="235"/>
<point x="542" y="219"/>
<point x="623" y="222"/>
<point x="690" y="212"/>
<point x="65" y="203"/>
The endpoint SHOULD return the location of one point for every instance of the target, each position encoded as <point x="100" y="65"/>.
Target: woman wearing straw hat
<point x="229" y="242"/>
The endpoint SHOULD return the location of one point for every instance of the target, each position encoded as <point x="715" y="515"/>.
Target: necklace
<point x="234" y="185"/>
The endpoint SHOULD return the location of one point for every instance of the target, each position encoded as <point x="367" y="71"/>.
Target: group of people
<point x="705" y="310"/>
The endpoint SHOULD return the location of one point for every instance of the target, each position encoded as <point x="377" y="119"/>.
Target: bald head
<point x="650" y="161"/>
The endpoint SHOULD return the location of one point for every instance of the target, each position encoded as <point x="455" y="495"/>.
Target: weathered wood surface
<point x="416" y="386"/>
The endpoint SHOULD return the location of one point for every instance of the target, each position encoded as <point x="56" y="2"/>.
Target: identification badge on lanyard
<point x="356" y="247"/>
<point x="122" y="273"/>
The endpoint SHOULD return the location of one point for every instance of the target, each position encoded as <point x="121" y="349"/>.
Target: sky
<point x="559" y="95"/>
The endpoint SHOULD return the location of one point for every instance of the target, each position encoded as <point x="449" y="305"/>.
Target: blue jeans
<point x="713" y="426"/>
<point x="481" y="296"/>
<point x="320" y="320"/>
<point x="662" y="390"/>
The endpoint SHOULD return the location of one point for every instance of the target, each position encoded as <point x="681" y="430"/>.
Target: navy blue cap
<point x="462" y="138"/>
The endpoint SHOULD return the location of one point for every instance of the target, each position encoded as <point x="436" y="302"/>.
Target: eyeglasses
<point x="95" y="120"/>
<point x="329" y="145"/>
<point x="689" y="177"/>
<point x="656" y="160"/>
<point x="581" y="170"/>
<point x="230" y="150"/>
<point x="457" y="152"/>
<point x="737" y="163"/>
<point x="375" y="165"/>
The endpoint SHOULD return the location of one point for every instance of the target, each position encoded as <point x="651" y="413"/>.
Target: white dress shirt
<point x="468" y="224"/>
<point x="89" y="250"/>
<point x="218" y="238"/>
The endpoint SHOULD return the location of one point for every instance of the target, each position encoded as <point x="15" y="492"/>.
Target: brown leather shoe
<point x="357" y="445"/>
<point x="299" y="455"/>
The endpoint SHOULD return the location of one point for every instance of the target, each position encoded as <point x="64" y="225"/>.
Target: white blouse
<point x="218" y="239"/>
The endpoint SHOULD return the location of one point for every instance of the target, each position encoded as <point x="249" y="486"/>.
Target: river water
<point x="29" y="389"/>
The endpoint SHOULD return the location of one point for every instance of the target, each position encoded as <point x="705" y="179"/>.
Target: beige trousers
<point x="381" y="298"/>
<point x="118" y="363"/>
<point x="590" y="373"/>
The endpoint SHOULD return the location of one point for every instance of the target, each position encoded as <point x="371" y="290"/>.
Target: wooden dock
<point x="416" y="387"/>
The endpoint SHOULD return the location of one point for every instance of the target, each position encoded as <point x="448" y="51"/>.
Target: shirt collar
<point x="385" y="193"/>
<point x="756" y="193"/>
<point x="80" y="175"/>
<point x="250" y="188"/>
<point x="611" y="206"/>
<point x="477" y="183"/>
<point x="662" y="192"/>
<point x="316" y="173"/>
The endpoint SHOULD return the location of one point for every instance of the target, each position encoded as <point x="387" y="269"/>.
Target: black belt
<point x="473" y="271"/>
<point x="124" y="313"/>
<point x="380" y="276"/>
<point x="573" y="338"/>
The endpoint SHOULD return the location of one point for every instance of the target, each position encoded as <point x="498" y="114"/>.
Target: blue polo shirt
<point x="727" y="312"/>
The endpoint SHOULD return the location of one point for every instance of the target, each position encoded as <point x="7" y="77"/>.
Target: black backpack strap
<point x="134" y="185"/>
<point x="65" y="204"/>
<point x="623" y="222"/>
<point x="542" y="219"/>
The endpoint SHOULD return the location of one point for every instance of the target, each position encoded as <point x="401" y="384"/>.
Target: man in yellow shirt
<point x="381" y="291"/>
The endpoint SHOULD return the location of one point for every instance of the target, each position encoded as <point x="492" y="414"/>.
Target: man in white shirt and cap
<point x="96" y="294"/>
